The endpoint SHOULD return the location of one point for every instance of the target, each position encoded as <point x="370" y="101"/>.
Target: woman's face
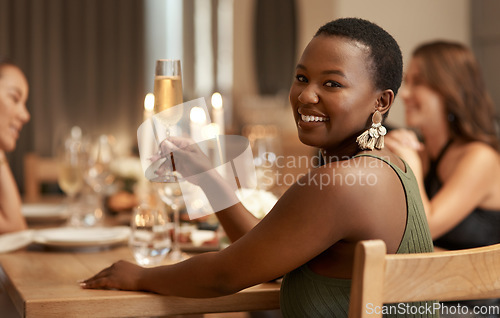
<point x="424" y="106"/>
<point x="13" y="112"/>
<point x="333" y="94"/>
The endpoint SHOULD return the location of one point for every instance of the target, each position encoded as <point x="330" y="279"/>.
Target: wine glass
<point x="70" y="171"/>
<point x="168" y="93"/>
<point x="98" y="174"/>
<point x="263" y="140"/>
<point x="167" y="84"/>
<point x="172" y="195"/>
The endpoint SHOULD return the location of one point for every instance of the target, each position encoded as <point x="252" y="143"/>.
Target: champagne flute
<point x="264" y="148"/>
<point x="167" y="84"/>
<point x="171" y="194"/>
<point x="168" y="93"/>
<point x="70" y="174"/>
<point x="98" y="174"/>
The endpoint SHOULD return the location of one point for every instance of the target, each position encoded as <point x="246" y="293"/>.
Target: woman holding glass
<point x="345" y="81"/>
<point x="13" y="115"/>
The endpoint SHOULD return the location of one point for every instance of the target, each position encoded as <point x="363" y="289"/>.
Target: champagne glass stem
<point x="74" y="217"/>
<point x="176" y="253"/>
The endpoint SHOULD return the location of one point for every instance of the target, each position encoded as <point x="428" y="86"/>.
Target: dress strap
<point x="442" y="152"/>
<point x="431" y="180"/>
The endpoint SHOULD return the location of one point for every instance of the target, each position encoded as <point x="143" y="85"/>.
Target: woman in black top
<point x="458" y="164"/>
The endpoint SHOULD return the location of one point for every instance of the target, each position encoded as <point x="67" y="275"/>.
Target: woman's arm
<point x="307" y="220"/>
<point x="11" y="218"/>
<point x="465" y="189"/>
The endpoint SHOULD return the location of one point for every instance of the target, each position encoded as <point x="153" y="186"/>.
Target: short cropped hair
<point x="387" y="67"/>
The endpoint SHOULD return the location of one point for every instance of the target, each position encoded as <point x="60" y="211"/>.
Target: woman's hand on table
<point x="121" y="275"/>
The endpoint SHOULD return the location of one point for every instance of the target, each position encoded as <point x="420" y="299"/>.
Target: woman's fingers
<point x="120" y="275"/>
<point x="403" y="138"/>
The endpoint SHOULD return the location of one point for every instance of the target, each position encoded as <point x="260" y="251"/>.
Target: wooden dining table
<point x="44" y="283"/>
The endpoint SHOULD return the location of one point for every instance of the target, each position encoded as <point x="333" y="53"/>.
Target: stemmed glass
<point x="171" y="194"/>
<point x="168" y="93"/>
<point x="70" y="174"/>
<point x="98" y="174"/>
<point x="264" y="147"/>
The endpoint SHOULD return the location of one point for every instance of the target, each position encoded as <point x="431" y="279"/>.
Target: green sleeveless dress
<point x="307" y="294"/>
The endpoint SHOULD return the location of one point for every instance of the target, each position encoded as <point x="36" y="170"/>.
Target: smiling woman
<point x="13" y="115"/>
<point x="350" y="70"/>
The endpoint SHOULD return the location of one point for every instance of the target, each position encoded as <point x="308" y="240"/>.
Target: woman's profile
<point x="13" y="115"/>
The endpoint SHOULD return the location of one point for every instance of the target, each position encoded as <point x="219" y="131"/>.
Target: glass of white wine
<point x="70" y="174"/>
<point x="168" y="93"/>
<point x="167" y="84"/>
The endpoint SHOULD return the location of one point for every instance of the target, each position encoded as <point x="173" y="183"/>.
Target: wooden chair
<point x="380" y="278"/>
<point x="37" y="171"/>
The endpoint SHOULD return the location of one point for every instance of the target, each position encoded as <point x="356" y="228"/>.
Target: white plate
<point x="13" y="241"/>
<point x="37" y="212"/>
<point x="82" y="237"/>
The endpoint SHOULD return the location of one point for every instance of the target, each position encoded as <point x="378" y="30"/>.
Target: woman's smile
<point x="332" y="96"/>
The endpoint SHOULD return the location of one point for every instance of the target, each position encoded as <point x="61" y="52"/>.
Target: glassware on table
<point x="98" y="174"/>
<point x="70" y="174"/>
<point x="263" y="140"/>
<point x="150" y="236"/>
<point x="168" y="93"/>
<point x="172" y="195"/>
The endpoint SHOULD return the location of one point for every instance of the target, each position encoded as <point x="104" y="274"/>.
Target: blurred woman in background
<point x="13" y="115"/>
<point x="458" y="164"/>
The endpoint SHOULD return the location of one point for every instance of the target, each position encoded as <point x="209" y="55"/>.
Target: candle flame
<point x="210" y="131"/>
<point x="149" y="101"/>
<point x="197" y="115"/>
<point x="217" y="100"/>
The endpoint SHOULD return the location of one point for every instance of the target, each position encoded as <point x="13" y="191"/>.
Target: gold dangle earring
<point x="373" y="137"/>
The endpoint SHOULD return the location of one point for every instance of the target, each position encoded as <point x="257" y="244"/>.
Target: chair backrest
<point x="380" y="278"/>
<point x="37" y="171"/>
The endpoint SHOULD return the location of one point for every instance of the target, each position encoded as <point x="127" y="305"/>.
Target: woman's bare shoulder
<point x="360" y="178"/>
<point x="478" y="153"/>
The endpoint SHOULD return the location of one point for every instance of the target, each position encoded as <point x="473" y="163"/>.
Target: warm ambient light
<point x="149" y="102"/>
<point x="217" y="100"/>
<point x="197" y="115"/>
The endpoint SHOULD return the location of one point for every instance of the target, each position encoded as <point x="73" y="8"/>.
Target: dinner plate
<point x="13" y="241"/>
<point x="81" y="237"/>
<point x="40" y="212"/>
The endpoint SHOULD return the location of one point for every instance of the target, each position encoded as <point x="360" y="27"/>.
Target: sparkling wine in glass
<point x="70" y="174"/>
<point x="168" y="93"/>
<point x="167" y="85"/>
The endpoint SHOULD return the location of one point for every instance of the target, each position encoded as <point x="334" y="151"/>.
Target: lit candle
<point x="198" y="120"/>
<point x="218" y="111"/>
<point x="149" y="105"/>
